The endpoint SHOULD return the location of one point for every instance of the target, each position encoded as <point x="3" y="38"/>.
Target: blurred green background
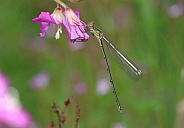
<point x="149" y="32"/>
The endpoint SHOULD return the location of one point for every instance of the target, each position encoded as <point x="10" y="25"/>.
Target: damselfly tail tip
<point x="120" y="111"/>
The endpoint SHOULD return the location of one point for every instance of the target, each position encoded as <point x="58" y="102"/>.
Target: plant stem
<point x="61" y="3"/>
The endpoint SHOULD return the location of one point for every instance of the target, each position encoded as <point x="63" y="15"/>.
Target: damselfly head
<point x="90" y="27"/>
<point x="91" y="24"/>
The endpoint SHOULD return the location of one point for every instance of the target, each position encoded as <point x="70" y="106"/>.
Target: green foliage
<point x="141" y="29"/>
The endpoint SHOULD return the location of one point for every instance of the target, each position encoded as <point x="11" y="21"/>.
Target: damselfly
<point x="122" y="61"/>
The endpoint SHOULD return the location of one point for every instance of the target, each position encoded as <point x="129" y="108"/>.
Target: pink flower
<point x="103" y="86"/>
<point x="118" y="125"/>
<point x="12" y="114"/>
<point x="176" y="10"/>
<point x="40" y="80"/>
<point x="45" y="19"/>
<point x="74" y="26"/>
<point x="80" y="88"/>
<point x="4" y="84"/>
<point x="70" y="19"/>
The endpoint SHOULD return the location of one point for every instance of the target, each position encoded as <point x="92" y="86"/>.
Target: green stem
<point x="61" y="3"/>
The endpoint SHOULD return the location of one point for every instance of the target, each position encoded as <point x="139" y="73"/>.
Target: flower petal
<point x="75" y="30"/>
<point x="58" y="14"/>
<point x="45" y="17"/>
<point x="77" y="13"/>
<point x="44" y="26"/>
<point x="71" y="16"/>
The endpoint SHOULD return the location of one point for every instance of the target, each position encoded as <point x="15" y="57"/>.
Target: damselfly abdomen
<point x="127" y="66"/>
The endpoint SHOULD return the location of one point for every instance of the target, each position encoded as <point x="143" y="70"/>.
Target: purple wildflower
<point x="103" y="86"/>
<point x="80" y="88"/>
<point x="12" y="114"/>
<point x="74" y="26"/>
<point x="40" y="80"/>
<point x="69" y="18"/>
<point x="118" y="125"/>
<point x="175" y="11"/>
<point x="45" y="19"/>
